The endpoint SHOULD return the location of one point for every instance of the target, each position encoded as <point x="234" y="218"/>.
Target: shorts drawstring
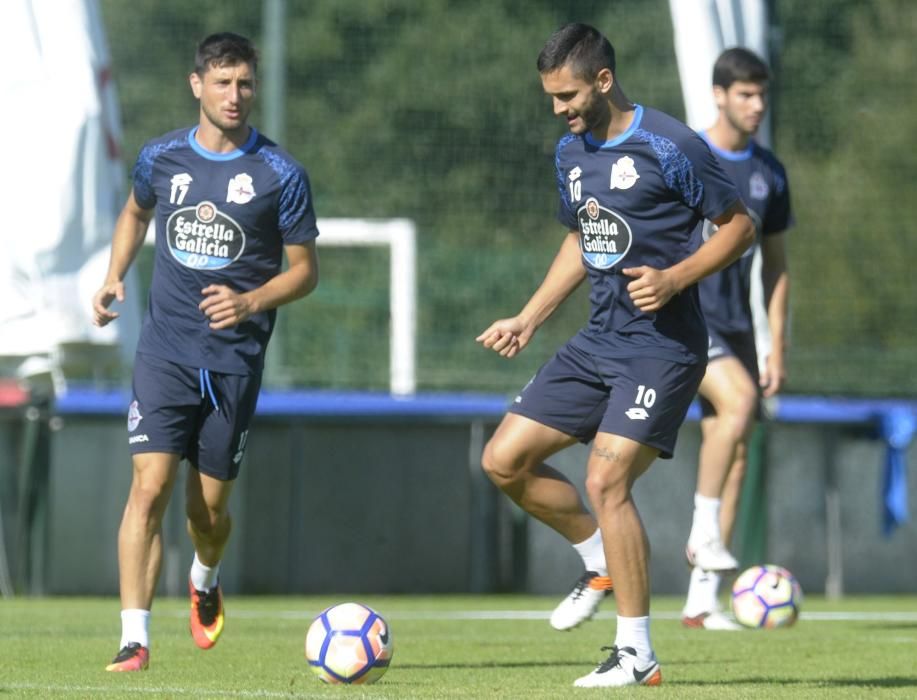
<point x="206" y="386"/>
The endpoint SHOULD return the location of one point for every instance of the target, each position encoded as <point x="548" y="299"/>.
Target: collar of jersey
<point x="729" y="155"/>
<point x="210" y="155"/>
<point x="620" y="138"/>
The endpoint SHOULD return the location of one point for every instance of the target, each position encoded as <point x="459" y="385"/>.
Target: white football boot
<point x="621" y="668"/>
<point x="715" y="620"/>
<point x="710" y="555"/>
<point x="580" y="605"/>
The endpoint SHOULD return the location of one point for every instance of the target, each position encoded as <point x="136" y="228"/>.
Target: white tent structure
<point x="62" y="186"/>
<point x="703" y="29"/>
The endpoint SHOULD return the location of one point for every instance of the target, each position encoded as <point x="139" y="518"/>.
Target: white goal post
<point x="400" y="237"/>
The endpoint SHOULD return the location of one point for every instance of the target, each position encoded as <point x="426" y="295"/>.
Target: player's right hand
<point x="508" y="336"/>
<point x="101" y="314"/>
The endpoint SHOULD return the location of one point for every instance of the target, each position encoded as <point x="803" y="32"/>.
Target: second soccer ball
<point x="766" y="596"/>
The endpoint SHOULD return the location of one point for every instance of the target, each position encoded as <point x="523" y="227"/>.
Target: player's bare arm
<point x="127" y="239"/>
<point x="651" y="289"/>
<point x="509" y="336"/>
<point x="776" y="283"/>
<point x="226" y="307"/>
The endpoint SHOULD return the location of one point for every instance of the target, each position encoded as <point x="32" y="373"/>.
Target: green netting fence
<point x="433" y="111"/>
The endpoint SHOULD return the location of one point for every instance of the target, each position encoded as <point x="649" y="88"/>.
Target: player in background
<point x="229" y="204"/>
<point x="633" y="184"/>
<point x="730" y="389"/>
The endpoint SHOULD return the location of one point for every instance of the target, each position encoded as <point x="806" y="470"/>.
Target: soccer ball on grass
<point x="349" y="643"/>
<point x="766" y="596"/>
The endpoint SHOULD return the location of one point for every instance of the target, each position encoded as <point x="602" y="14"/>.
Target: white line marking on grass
<point x="894" y="616"/>
<point x="160" y="690"/>
<point x="826" y="616"/>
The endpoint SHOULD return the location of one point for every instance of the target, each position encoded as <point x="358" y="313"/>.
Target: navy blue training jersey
<point x="636" y="200"/>
<point x="761" y="181"/>
<point x="221" y="218"/>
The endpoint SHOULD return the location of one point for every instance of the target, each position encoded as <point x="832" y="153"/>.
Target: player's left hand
<point x="224" y="307"/>
<point x="101" y="314"/>
<point x="650" y="289"/>
<point x="773" y="376"/>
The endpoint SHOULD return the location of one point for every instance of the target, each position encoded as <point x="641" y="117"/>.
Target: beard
<point x="594" y="114"/>
<point x="223" y="123"/>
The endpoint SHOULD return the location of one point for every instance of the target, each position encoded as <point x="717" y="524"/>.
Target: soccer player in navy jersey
<point x="229" y="204"/>
<point x="730" y="389"/>
<point x="633" y="185"/>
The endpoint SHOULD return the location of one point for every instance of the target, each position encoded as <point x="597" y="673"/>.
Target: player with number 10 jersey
<point x="635" y="201"/>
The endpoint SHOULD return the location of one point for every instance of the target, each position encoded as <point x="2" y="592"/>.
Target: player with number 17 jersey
<point x="221" y="218"/>
<point x="635" y="200"/>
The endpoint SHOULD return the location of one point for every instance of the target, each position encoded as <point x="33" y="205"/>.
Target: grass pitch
<point x="458" y="647"/>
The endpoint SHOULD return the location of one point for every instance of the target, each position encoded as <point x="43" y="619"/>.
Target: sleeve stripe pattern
<point x="142" y="175"/>
<point x="561" y="186"/>
<point x="293" y="189"/>
<point x="676" y="168"/>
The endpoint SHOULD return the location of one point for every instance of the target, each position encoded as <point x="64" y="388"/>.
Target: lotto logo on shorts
<point x="646" y="396"/>
<point x="637" y="413"/>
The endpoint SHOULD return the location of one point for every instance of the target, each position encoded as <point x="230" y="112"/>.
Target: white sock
<point x="135" y="627"/>
<point x="706" y="522"/>
<point x="593" y="553"/>
<point x="203" y="578"/>
<point x="635" y="632"/>
<point x="702" y="592"/>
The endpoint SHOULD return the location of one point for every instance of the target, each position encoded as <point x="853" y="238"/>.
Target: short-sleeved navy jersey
<point x="221" y="218"/>
<point x="636" y="200"/>
<point x="762" y="183"/>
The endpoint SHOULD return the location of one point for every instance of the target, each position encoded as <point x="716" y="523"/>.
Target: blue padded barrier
<point x="892" y="420"/>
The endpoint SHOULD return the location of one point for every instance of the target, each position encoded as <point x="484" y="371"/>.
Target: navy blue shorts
<point x="202" y="416"/>
<point x="641" y="398"/>
<point x="738" y="345"/>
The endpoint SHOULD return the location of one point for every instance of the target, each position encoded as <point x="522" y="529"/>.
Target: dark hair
<point x="738" y="64"/>
<point x="224" y="48"/>
<point x="580" y="46"/>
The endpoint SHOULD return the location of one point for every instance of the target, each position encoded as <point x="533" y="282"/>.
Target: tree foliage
<point x="434" y="111"/>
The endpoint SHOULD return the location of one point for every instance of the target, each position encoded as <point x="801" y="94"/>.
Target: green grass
<point x="58" y="647"/>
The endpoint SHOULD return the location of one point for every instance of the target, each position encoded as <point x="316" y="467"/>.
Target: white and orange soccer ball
<point x="766" y="596"/>
<point x="349" y="643"/>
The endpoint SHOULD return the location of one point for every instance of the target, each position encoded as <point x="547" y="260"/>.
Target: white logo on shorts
<point x="133" y="416"/>
<point x="143" y="437"/>
<point x="637" y="413"/>
<point x="241" y="451"/>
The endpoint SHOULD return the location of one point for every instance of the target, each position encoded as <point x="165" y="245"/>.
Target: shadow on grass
<point x="884" y="626"/>
<point x="501" y="664"/>
<point x="571" y="663"/>
<point x="886" y="682"/>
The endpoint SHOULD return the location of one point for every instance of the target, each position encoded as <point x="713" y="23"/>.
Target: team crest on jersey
<point x="241" y="190"/>
<point x="757" y="186"/>
<point x="133" y="416"/>
<point x="204" y="238"/>
<point x="605" y="237"/>
<point x="623" y="174"/>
